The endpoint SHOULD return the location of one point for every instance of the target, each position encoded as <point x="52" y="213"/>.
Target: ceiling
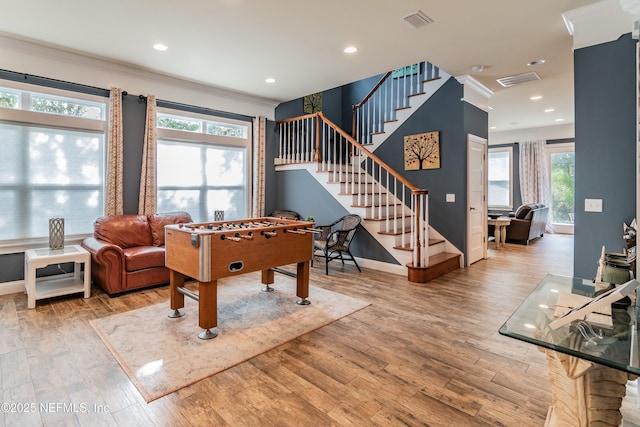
<point x="237" y="44"/>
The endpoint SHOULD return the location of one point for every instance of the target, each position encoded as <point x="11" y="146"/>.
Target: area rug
<point x="161" y="354"/>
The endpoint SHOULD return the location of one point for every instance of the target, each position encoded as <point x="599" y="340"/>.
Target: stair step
<point x="439" y="265"/>
<point x="391" y="218"/>
<point x="407" y="246"/>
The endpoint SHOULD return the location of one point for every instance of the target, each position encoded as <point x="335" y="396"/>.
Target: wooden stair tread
<point x="407" y="246"/>
<point x="442" y="257"/>
<point x="384" y="218"/>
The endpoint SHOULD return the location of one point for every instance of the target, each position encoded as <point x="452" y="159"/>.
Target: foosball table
<point x="206" y="252"/>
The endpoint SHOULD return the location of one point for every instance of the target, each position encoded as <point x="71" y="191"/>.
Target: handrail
<point x="373" y="91"/>
<point x="413" y="188"/>
<point x="383" y="193"/>
<point x="387" y="97"/>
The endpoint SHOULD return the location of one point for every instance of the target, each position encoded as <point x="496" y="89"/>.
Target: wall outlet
<point x="451" y="198"/>
<point x="593" y="205"/>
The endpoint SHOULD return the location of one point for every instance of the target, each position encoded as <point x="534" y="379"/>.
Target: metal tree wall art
<point x="422" y="151"/>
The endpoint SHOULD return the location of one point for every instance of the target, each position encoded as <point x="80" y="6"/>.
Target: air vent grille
<point x="417" y="19"/>
<point x="518" y="79"/>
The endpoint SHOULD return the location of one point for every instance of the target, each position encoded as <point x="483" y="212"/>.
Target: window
<point x="52" y="145"/>
<point x="561" y="159"/>
<point x="203" y="165"/>
<point x="500" y="173"/>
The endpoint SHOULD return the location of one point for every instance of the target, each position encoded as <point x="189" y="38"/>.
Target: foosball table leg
<point x="208" y="309"/>
<point x="302" y="283"/>
<point x="268" y="277"/>
<point x="176" y="280"/>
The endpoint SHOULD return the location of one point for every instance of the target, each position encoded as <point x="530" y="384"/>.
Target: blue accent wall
<point x="605" y="148"/>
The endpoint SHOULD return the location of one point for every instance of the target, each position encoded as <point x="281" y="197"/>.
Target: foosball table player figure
<point x="207" y="252"/>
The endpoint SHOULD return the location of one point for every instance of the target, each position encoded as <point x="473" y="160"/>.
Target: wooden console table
<point x="588" y="373"/>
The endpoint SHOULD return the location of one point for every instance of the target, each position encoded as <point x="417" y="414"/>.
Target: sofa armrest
<point x="518" y="229"/>
<point x="107" y="264"/>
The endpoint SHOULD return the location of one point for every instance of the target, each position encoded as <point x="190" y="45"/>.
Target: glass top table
<point x="615" y="347"/>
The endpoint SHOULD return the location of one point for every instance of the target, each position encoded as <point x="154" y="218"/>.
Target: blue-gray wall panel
<point x="605" y="106"/>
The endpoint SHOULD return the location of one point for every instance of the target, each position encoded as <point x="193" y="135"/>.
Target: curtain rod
<point x="26" y="76"/>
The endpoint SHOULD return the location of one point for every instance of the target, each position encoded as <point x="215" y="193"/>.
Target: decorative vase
<point x="56" y="233"/>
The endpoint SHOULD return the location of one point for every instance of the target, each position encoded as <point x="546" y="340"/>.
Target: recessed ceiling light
<point x="350" y="49"/>
<point x="161" y="47"/>
<point x="270" y="80"/>
<point x="549" y="110"/>
<point x="559" y="120"/>
<point x="535" y="62"/>
<point x="536" y="97"/>
<point x="477" y="68"/>
<point x="492" y="127"/>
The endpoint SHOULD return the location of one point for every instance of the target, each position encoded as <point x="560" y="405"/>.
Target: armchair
<point x="335" y="239"/>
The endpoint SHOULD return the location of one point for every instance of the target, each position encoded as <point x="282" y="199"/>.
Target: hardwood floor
<point x="427" y="355"/>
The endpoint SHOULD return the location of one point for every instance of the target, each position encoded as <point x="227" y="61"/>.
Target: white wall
<point x="25" y="57"/>
<point x="532" y="134"/>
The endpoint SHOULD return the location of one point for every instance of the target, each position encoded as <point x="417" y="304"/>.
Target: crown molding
<point x="474" y="92"/>
<point x="600" y="22"/>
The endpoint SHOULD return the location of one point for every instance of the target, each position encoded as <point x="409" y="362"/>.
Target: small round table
<point x="500" y="225"/>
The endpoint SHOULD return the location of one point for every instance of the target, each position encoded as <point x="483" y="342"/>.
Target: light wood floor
<point x="419" y="355"/>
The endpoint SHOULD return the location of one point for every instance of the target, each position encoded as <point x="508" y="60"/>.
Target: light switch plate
<point x="593" y="205"/>
<point x="451" y="198"/>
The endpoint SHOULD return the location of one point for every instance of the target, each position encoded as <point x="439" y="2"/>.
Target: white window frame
<point x="510" y="151"/>
<point x="214" y="140"/>
<point x="24" y="116"/>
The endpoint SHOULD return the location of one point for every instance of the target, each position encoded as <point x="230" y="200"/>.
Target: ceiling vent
<point x="417" y="19"/>
<point x="518" y="79"/>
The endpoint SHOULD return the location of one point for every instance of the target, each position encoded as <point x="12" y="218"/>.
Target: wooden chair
<point x="335" y="239"/>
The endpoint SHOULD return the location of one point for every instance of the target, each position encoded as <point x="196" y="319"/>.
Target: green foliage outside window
<point x="176" y="124"/>
<point x="55" y="106"/>
<point x="562" y="187"/>
<point x="213" y="129"/>
<point x="8" y="100"/>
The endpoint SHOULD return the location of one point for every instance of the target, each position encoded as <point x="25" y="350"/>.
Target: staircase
<point x="394" y="211"/>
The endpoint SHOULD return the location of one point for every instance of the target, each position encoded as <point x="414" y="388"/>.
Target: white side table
<point x="500" y="229"/>
<point x="54" y="286"/>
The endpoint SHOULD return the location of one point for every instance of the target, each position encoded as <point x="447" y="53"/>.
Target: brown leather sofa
<point x="127" y="251"/>
<point x="527" y="223"/>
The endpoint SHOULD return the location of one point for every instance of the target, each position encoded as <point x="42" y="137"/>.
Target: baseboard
<point x="14" y="287"/>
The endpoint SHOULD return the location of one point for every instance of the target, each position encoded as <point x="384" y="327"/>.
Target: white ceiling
<point x="237" y="44"/>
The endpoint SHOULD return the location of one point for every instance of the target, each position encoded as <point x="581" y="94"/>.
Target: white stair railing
<point x="391" y="94"/>
<point x="384" y="193"/>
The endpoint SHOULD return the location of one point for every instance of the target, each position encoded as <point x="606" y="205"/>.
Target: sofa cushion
<point x="158" y="221"/>
<point x="125" y="231"/>
<point x="142" y="257"/>
<point x="523" y="211"/>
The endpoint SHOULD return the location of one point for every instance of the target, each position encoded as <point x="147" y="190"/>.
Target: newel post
<point x="417" y="272"/>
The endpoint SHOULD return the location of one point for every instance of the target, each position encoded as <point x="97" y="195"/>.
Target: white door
<point x="476" y="199"/>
